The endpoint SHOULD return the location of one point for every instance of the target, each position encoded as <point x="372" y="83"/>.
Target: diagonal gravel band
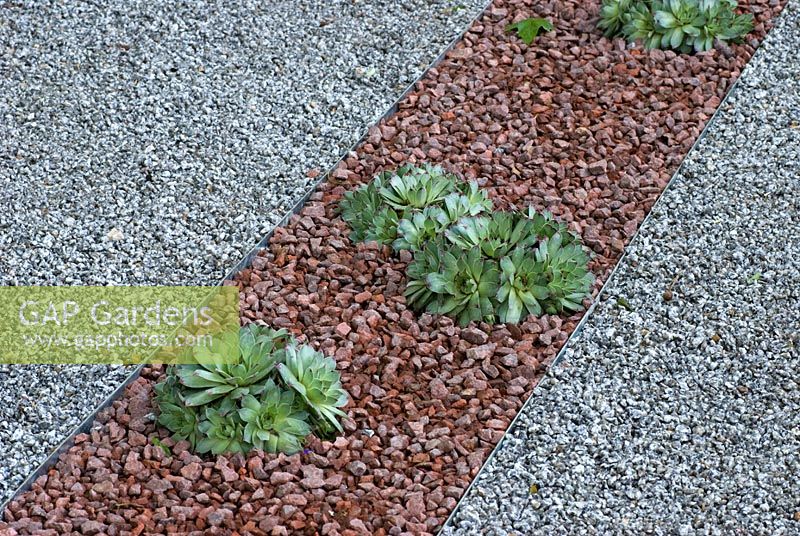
<point x="147" y="143"/>
<point x="680" y="414"/>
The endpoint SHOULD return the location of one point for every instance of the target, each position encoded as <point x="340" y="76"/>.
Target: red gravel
<point x="576" y="124"/>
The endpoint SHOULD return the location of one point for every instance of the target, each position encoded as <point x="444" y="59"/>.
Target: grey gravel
<point x="681" y="416"/>
<point x="156" y="142"/>
<point x="39" y="406"/>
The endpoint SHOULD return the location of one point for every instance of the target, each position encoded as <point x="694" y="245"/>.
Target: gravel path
<point x="153" y="143"/>
<point x="681" y="416"/>
<point x="146" y="144"/>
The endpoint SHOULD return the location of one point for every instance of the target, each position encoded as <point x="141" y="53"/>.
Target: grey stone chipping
<point x="682" y="415"/>
<point x="39" y="406"/>
<point x="157" y="142"/>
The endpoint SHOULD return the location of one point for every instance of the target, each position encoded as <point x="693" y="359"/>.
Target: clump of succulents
<point x="683" y="25"/>
<point x="266" y="392"/>
<point x="500" y="268"/>
<point x="406" y="207"/>
<point x="472" y="263"/>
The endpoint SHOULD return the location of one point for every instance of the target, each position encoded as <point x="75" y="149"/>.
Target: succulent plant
<point x="420" y="226"/>
<point x="641" y="26"/>
<point x="426" y="261"/>
<point x="383" y="227"/>
<point x="566" y="270"/>
<point x="683" y="25"/>
<point x="477" y="199"/>
<point x="707" y="5"/>
<point x="415" y="230"/>
<point x="613" y="16"/>
<point x="523" y="286"/>
<point x="679" y="21"/>
<point x="411" y="188"/>
<point x="359" y="208"/>
<point x="217" y="375"/>
<point x="723" y="24"/>
<point x="375" y="210"/>
<point x="466" y="285"/>
<point x="470" y="202"/>
<point x="471" y="233"/>
<point x="314" y="377"/>
<point x="173" y="413"/>
<point x="223" y="432"/>
<point x="496" y="235"/>
<point x="544" y="226"/>
<point x="274" y="422"/>
<point x="735" y="27"/>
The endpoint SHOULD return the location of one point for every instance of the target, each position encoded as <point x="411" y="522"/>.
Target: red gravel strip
<point x="576" y="124"/>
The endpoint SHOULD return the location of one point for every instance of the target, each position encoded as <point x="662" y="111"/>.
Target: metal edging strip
<point x="86" y="424"/>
